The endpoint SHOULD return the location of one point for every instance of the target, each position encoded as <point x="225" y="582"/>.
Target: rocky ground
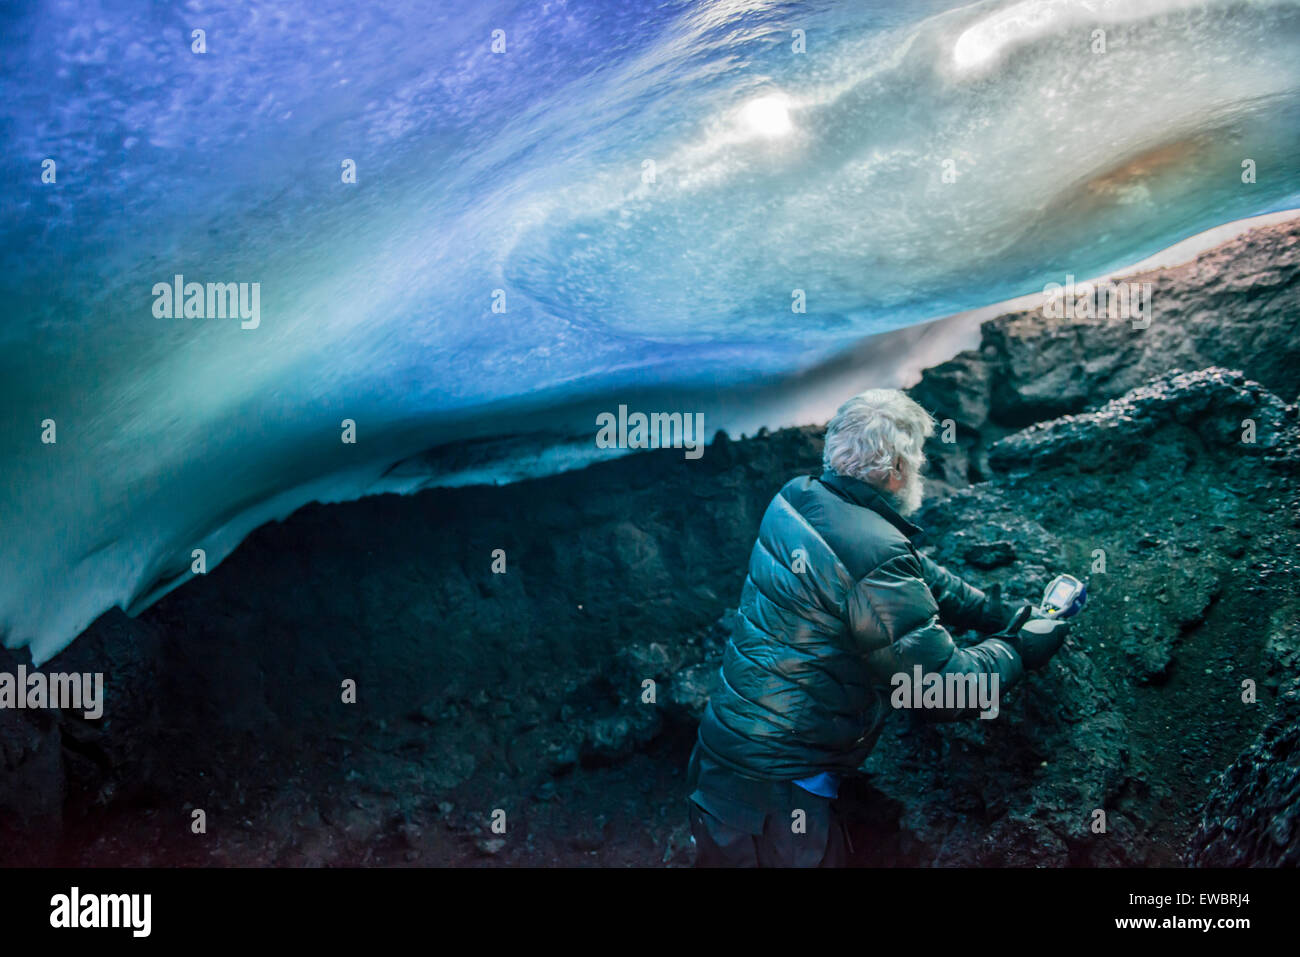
<point x="1078" y="447"/>
<point x="1250" y="818"/>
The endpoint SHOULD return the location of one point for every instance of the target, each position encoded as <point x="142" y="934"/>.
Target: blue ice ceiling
<point x="641" y="187"/>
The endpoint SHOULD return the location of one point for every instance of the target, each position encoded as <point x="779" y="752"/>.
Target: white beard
<point x="908" y="499"/>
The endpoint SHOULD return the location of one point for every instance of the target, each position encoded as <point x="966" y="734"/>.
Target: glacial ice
<point x="608" y="179"/>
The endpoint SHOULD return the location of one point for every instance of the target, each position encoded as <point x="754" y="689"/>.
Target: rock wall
<point x="526" y="691"/>
<point x="1233" y="306"/>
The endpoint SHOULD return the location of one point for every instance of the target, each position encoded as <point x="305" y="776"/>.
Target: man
<point x="837" y="605"/>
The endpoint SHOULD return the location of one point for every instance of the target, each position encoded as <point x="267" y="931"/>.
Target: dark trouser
<point x="740" y="822"/>
<point x="823" y="844"/>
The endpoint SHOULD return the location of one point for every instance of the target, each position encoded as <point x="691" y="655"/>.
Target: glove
<point x="998" y="615"/>
<point x="1037" y="640"/>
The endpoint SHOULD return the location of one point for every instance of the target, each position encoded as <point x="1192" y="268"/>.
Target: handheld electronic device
<point x="1064" y="597"/>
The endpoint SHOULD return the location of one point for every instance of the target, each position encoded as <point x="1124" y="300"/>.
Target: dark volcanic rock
<point x="1232" y="306"/>
<point x="32" y="785"/>
<point x="1138" y="708"/>
<point x="1252" y="817"/>
<point x="1216" y="404"/>
<point x="691" y="688"/>
<point x="526" y="692"/>
<point x="988" y="555"/>
<point x="58" y="768"/>
<point x="225" y="695"/>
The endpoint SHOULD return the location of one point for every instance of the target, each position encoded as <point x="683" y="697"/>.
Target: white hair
<point x="873" y="433"/>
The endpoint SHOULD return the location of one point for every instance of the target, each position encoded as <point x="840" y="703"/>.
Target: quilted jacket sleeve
<point x="961" y="605"/>
<point x="893" y="616"/>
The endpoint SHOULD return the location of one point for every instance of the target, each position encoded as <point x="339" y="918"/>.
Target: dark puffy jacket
<point x="837" y="601"/>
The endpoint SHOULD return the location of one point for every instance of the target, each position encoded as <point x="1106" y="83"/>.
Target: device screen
<point x="1060" y="594"/>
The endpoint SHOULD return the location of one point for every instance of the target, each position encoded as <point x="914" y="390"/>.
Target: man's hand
<point x="1037" y="640"/>
<point x="998" y="614"/>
